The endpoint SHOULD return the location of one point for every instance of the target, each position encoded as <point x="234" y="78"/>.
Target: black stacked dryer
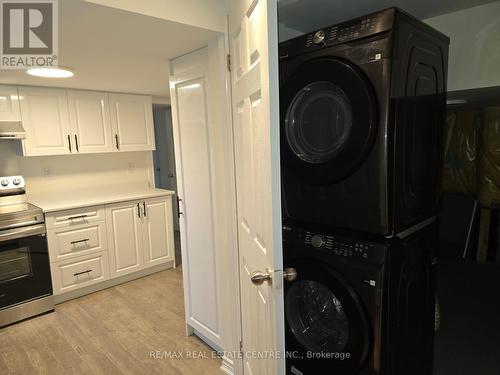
<point x="362" y="112"/>
<point x="362" y="107"/>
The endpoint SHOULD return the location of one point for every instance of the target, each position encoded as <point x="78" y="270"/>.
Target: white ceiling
<point x="309" y="15"/>
<point x="115" y="50"/>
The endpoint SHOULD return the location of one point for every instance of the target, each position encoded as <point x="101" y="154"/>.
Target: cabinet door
<point x="124" y="238"/>
<point x="9" y="104"/>
<point x="90" y="121"/>
<point x="158" y="233"/>
<point x="132" y="119"/>
<point x="46" y="120"/>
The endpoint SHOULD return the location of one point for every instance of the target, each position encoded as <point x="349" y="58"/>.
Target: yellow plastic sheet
<point x="461" y="136"/>
<point x="489" y="160"/>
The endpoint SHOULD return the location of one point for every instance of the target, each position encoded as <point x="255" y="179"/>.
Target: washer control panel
<point x="338" y="246"/>
<point x="345" y="247"/>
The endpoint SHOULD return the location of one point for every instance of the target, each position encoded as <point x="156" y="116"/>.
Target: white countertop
<point x="75" y="199"/>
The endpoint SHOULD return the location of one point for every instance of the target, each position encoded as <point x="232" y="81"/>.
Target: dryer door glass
<point x="328" y="120"/>
<point x="317" y="317"/>
<point x="318" y="122"/>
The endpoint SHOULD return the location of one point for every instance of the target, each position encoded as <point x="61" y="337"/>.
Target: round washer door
<point x="328" y="120"/>
<point x="325" y="320"/>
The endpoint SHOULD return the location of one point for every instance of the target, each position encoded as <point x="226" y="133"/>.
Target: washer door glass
<point x="318" y="122"/>
<point x="316" y="317"/>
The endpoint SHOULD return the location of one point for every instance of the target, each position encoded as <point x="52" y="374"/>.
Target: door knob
<point x="258" y="277"/>
<point x="171" y="175"/>
<point x="290" y="274"/>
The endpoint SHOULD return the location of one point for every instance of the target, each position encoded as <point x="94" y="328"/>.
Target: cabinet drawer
<point x="79" y="272"/>
<point x="70" y="242"/>
<point x="77" y="216"/>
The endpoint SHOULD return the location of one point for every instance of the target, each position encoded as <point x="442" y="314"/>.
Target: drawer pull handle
<point x="80" y="241"/>
<point x="82" y="273"/>
<point x="77" y="217"/>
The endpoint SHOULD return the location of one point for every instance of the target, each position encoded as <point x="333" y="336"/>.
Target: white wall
<point x="127" y="170"/>
<point x="209" y="15"/>
<point x="474" y="60"/>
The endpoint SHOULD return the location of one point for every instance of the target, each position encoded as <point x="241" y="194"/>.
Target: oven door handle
<point x="16" y="233"/>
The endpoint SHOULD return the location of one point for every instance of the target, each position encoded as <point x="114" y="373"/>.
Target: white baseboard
<point x="227" y="366"/>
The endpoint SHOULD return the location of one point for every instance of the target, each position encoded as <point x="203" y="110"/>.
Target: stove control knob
<point x="5" y="183"/>
<point x="317" y="241"/>
<point x="16" y="181"/>
<point x="319" y="37"/>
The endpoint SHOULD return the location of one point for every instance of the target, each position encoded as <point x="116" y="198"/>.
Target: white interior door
<point x="195" y="167"/>
<point x="254" y="59"/>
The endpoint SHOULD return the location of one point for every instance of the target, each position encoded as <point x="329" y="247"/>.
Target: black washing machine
<point x="359" y="306"/>
<point x="362" y="108"/>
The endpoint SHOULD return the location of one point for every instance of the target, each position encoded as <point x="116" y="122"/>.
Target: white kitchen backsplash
<point x="52" y="174"/>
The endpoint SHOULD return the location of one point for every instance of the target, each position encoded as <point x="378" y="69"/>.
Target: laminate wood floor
<point x="109" y="332"/>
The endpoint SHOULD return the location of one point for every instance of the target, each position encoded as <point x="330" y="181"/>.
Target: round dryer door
<point x="325" y="321"/>
<point x="328" y="116"/>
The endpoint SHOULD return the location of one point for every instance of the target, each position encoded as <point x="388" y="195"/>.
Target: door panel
<point x="90" y="121"/>
<point x="132" y="119"/>
<point x="46" y="120"/>
<point x="158" y="231"/>
<point x="253" y="39"/>
<point x="125" y="238"/>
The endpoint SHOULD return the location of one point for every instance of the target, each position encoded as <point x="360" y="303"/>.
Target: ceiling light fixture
<point x="51" y="72"/>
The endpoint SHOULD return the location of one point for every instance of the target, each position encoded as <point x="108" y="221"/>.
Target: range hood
<point x="12" y="130"/>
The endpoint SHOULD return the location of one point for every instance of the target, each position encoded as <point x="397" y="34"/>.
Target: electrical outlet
<point x="131" y="167"/>
<point x="47" y="173"/>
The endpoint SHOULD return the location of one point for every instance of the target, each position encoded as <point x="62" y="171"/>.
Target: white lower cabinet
<point x="158" y="242"/>
<point x="142" y="234"/>
<point x="76" y="241"/>
<point x="77" y="273"/>
<point x="125" y="241"/>
<point x="91" y="245"/>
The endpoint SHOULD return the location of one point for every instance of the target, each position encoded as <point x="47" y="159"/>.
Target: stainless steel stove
<point x="25" y="282"/>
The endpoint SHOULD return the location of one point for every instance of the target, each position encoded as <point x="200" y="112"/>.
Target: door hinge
<point x="241" y="345"/>
<point x="228" y="62"/>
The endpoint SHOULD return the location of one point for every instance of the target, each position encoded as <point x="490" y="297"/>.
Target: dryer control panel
<point x="358" y="28"/>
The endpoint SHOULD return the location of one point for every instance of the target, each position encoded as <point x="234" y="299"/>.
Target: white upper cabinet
<point x="90" y="121"/>
<point x="9" y="104"/>
<point x="132" y="120"/>
<point x="46" y="120"/>
<point x="61" y="122"/>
